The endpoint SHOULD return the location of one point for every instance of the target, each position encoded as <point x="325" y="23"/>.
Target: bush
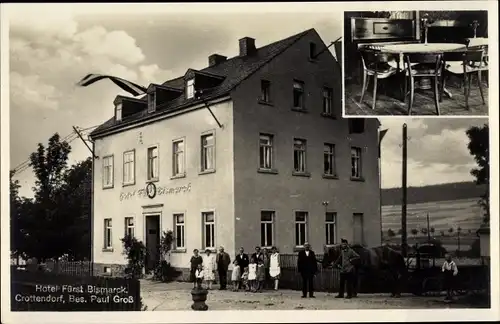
<point x="163" y="270"/>
<point x="136" y="256"/>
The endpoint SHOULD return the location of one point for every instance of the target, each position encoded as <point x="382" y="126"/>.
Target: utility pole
<point x="428" y="229"/>
<point x="404" y="237"/>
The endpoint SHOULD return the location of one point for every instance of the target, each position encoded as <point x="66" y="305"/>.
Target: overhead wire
<point x="23" y="166"/>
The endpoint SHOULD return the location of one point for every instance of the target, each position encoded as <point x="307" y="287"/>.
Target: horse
<point x="375" y="262"/>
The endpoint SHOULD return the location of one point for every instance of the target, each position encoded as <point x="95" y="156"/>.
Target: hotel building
<point x="250" y="151"/>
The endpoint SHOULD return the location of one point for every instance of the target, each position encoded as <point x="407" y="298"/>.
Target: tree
<point x="414" y="231"/>
<point x="450" y="230"/>
<point x="400" y="231"/>
<point x="432" y="230"/>
<point x="442" y="232"/>
<point x="390" y="233"/>
<point x="57" y="221"/>
<point x="479" y="148"/>
<point x="423" y="230"/>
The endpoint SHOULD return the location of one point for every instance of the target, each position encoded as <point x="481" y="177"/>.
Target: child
<point x="236" y="276"/>
<point x="449" y="270"/>
<point x="244" y="279"/>
<point x="196" y="260"/>
<point x="199" y="276"/>
<point x="252" y="274"/>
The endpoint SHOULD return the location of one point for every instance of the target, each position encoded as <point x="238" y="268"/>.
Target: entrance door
<point x="358" y="229"/>
<point x="152" y="241"/>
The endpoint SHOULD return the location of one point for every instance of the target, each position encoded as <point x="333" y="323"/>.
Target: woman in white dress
<point x="274" y="267"/>
<point x="209" y="268"/>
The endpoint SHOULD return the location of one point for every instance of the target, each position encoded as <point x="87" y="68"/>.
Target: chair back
<point x="434" y="59"/>
<point x="372" y="57"/>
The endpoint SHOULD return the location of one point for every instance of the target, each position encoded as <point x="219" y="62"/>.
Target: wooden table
<point x="478" y="41"/>
<point x="428" y="48"/>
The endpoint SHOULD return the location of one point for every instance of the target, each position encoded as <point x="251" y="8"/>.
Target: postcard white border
<point x="334" y="315"/>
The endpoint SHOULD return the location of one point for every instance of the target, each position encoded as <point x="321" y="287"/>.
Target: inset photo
<point x="416" y="63"/>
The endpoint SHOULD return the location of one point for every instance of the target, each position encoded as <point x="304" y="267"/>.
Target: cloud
<point x="437" y="150"/>
<point x="30" y="92"/>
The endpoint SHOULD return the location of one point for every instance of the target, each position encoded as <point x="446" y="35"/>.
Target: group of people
<point x="307" y="266"/>
<point x="255" y="272"/>
<point x="251" y="273"/>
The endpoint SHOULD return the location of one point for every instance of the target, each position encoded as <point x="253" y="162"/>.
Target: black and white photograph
<point x="416" y="63"/>
<point x="194" y="160"/>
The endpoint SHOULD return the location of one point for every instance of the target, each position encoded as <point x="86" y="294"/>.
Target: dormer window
<point x="190" y="89"/>
<point x="151" y="102"/>
<point x="118" y="111"/>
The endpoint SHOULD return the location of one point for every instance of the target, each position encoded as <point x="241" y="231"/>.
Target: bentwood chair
<point x="466" y="63"/>
<point x="428" y="65"/>
<point x="375" y="65"/>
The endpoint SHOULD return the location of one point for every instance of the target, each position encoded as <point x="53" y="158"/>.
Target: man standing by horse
<point x="346" y="262"/>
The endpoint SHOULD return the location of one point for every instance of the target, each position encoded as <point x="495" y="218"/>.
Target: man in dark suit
<point x="242" y="260"/>
<point x="307" y="266"/>
<point x="223" y="261"/>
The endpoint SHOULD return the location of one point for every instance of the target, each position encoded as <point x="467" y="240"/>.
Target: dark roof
<point x="234" y="71"/>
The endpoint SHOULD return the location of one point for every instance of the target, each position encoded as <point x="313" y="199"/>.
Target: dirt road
<point x="177" y="296"/>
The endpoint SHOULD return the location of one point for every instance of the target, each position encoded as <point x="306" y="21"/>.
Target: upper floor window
<point x="129" y="167"/>
<point x="118" y="112"/>
<point x="266" y="151"/>
<point x="178" y="158"/>
<point x="151" y="102"/>
<point x="329" y="159"/>
<point x="153" y="163"/>
<point x="327" y="101"/>
<point x="298" y="95"/>
<point x="299" y="155"/>
<point x="190" y="89"/>
<point x="356" y="163"/>
<point x="265" y="91"/>
<point x="207" y="152"/>
<point x="107" y="171"/>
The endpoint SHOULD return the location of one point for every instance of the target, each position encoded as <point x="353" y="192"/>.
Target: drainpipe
<point x="92" y="211"/>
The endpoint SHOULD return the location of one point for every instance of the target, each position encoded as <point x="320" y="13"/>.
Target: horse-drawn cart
<point x="425" y="277"/>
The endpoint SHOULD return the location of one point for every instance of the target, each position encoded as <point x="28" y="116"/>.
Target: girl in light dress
<point x="274" y="267"/>
<point x="209" y="268"/>
<point x="236" y="275"/>
<point x="252" y="274"/>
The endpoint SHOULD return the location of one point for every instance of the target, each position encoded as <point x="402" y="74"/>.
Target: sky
<point x="54" y="46"/>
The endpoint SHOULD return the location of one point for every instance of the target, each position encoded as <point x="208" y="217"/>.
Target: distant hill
<point x="441" y="192"/>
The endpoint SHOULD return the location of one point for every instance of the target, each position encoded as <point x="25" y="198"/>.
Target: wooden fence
<point x="51" y="291"/>
<point x="471" y="277"/>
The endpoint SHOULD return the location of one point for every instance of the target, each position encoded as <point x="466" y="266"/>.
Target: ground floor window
<point x="108" y="243"/>
<point x="129" y="226"/>
<point x="209" y="230"/>
<point x="300" y="228"/>
<point x="331" y="228"/>
<point x="267" y="228"/>
<point x="179" y="231"/>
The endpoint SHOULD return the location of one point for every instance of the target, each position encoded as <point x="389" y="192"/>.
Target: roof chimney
<point x="247" y="46"/>
<point x="215" y="59"/>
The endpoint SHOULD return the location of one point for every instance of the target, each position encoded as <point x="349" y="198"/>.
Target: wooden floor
<point x="423" y="104"/>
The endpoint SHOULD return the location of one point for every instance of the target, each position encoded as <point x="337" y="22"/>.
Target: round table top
<point x="422" y="48"/>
